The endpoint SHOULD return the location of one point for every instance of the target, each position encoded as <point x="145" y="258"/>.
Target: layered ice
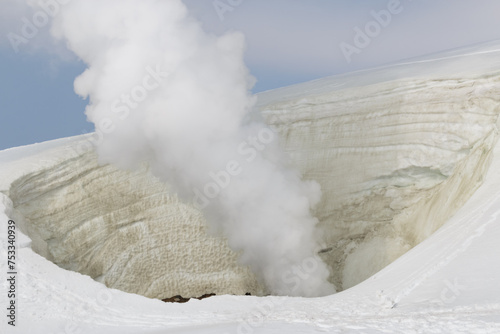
<point x="397" y="152"/>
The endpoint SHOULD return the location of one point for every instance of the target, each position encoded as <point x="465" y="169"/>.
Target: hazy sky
<point x="288" y="41"/>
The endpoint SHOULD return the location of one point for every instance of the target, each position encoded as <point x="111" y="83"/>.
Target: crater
<point x="390" y="177"/>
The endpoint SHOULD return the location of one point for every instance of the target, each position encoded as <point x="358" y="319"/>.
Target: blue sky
<point x="288" y="41"/>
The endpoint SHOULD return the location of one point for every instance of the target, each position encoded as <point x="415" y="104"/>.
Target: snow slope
<point x="400" y="152"/>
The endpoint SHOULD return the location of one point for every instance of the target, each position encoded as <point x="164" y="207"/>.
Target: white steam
<point x="163" y="91"/>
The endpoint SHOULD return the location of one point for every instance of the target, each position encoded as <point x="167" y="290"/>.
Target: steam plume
<point x="163" y="91"/>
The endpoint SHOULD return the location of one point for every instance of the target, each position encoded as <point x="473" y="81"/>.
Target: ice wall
<point x="396" y="150"/>
<point x="126" y="230"/>
<point x="395" y="160"/>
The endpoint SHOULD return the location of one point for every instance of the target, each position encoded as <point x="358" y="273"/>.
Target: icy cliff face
<point x="126" y="230"/>
<point x="396" y="150"/>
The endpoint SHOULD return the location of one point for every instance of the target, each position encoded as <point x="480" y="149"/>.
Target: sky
<point x="288" y="42"/>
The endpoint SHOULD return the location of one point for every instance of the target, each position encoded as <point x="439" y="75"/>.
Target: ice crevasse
<point x="397" y="151"/>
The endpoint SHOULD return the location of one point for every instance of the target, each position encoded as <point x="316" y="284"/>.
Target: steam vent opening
<point x="395" y="160"/>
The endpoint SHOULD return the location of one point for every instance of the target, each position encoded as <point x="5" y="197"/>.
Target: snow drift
<point x="397" y="151"/>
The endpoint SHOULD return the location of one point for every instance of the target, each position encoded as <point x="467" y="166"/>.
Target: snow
<point x="408" y="160"/>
